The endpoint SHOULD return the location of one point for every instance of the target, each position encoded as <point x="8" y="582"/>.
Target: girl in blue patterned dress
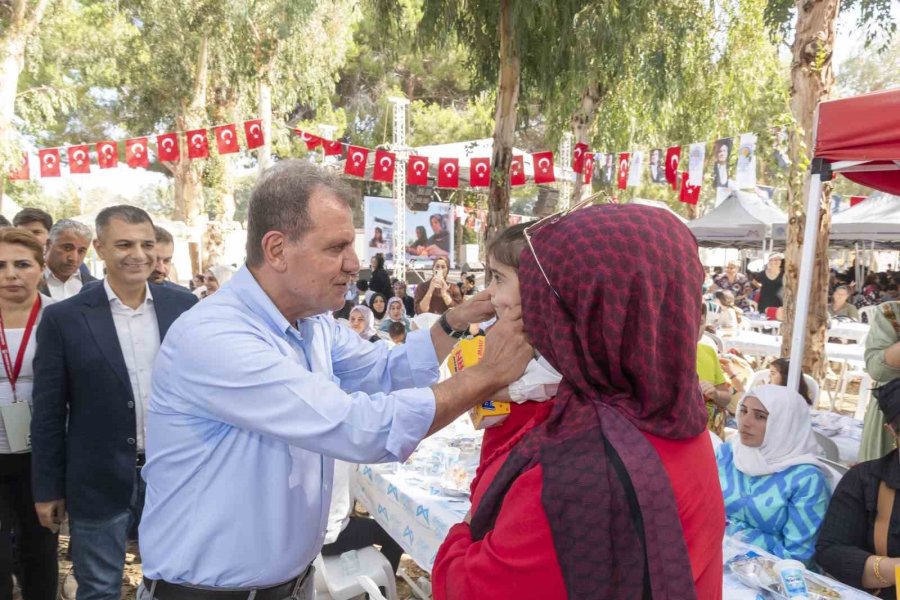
<point x="776" y="490"/>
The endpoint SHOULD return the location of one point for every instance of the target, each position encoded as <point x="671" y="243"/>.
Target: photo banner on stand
<point x="429" y="233"/>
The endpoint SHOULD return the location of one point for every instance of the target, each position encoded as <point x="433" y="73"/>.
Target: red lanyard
<point x="12" y="371"/>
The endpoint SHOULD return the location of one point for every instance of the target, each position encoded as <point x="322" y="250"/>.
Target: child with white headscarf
<point x="775" y="488"/>
<point x="395" y="313"/>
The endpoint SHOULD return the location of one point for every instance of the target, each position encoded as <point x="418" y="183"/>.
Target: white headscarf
<point x="788" y="440"/>
<point x="366" y="312"/>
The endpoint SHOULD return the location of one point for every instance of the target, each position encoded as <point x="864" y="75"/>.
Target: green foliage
<point x="875" y="20"/>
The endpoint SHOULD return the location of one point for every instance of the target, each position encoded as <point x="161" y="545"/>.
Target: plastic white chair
<point x="333" y="582"/>
<point x="867" y="313"/>
<point x="828" y="447"/>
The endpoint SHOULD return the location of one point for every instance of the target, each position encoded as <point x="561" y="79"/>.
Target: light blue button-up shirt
<point x="246" y="415"/>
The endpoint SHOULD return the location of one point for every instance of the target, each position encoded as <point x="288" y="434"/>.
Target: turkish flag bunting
<point x="167" y="147"/>
<point x="448" y="173"/>
<point x="578" y="157"/>
<point x="588" y="168"/>
<point x="226" y="139"/>
<point x="673" y="160"/>
<point x="480" y="172"/>
<point x="417" y="170"/>
<point x="197" y="143"/>
<point x="333" y="148"/>
<point x="136" y="154"/>
<point x="49" y="162"/>
<point x="79" y="159"/>
<point x="22" y="173"/>
<point x="107" y="155"/>
<point x="384" y="166"/>
<point x="253" y="131"/>
<point x="854" y="200"/>
<point x="690" y="194"/>
<point x="623" y="170"/>
<point x="312" y="141"/>
<point x="517" y="171"/>
<point x="543" y="167"/>
<point x="356" y="161"/>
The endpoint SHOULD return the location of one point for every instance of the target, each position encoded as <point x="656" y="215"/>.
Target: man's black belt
<point x="163" y="590"/>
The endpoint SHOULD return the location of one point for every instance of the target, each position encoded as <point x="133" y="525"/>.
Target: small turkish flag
<point x="107" y="155"/>
<point x="22" y="173"/>
<point x="673" y="160"/>
<point x="333" y="148"/>
<point x="480" y="172"/>
<point x="517" y="171"/>
<point x="226" y="139"/>
<point x="312" y="141"/>
<point x="356" y="161"/>
<point x="197" y="143"/>
<point x="417" y="170"/>
<point x="578" y="157"/>
<point x="543" y="167"/>
<point x="448" y="173"/>
<point x="49" y="162"/>
<point x="384" y="166"/>
<point x="79" y="159"/>
<point x="690" y="194"/>
<point x="167" y="147"/>
<point x="253" y="131"/>
<point x="136" y="154"/>
<point x="623" y="170"/>
<point x="588" y="168"/>
<point x="854" y="200"/>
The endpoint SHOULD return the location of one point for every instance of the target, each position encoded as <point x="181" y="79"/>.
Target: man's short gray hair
<point x="79" y="229"/>
<point x="280" y="202"/>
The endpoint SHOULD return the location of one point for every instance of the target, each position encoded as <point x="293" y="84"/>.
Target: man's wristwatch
<point x="445" y="325"/>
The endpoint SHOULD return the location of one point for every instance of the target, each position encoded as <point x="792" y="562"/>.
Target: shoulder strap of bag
<point x="883" y="518"/>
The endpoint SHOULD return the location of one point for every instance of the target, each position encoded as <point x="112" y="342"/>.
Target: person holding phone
<point x="437" y="295"/>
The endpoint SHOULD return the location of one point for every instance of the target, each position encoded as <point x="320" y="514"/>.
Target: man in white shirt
<point x="67" y="245"/>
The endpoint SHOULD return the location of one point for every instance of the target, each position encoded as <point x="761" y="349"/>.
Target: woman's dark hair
<point x="443" y="258"/>
<point x="508" y="245"/>
<point x="782" y="365"/>
<point x="421" y="233"/>
<point x="379" y="261"/>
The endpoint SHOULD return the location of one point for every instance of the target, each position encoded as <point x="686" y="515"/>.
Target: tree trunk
<point x="504" y="125"/>
<point x="187" y="173"/>
<point x="812" y="78"/>
<point x="264" y="153"/>
<point x="581" y="124"/>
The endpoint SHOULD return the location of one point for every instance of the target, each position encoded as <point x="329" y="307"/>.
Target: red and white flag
<point x="417" y="170"/>
<point x="23" y="173"/>
<point x="356" y="161"/>
<point x="480" y="172"/>
<point x="107" y="155"/>
<point x="448" y="173"/>
<point x="543" y="167"/>
<point x="167" y="147"/>
<point x="623" y="170"/>
<point x="854" y="200"/>
<point x="79" y="159"/>
<point x="312" y="141"/>
<point x="517" y="171"/>
<point x="690" y="194"/>
<point x="254" y="134"/>
<point x="226" y="139"/>
<point x="332" y="147"/>
<point x="197" y="143"/>
<point x="136" y="154"/>
<point x="49" y="158"/>
<point x="384" y="166"/>
<point x="578" y="157"/>
<point x="587" y="168"/>
<point x="673" y="161"/>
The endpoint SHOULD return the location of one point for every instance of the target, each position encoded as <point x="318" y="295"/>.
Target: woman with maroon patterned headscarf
<point x="611" y="493"/>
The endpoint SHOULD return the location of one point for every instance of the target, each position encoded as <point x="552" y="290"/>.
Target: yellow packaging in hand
<point x="466" y="353"/>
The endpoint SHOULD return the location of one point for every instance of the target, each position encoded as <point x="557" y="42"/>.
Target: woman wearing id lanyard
<point x="21" y="268"/>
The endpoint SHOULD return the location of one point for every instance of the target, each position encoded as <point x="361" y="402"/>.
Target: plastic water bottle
<point x="791" y="574"/>
<point x="350" y="562"/>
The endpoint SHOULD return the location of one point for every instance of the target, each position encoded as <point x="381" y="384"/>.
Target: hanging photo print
<point x="746" y="161"/>
<point x="636" y="168"/>
<point x="721" y="156"/>
<point x="695" y="164"/>
<point x="656" y="167"/>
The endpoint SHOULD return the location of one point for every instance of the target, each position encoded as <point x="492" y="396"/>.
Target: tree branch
<point x="37" y="14"/>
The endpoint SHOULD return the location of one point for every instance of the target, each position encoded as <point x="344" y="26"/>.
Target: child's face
<point x="504" y="288"/>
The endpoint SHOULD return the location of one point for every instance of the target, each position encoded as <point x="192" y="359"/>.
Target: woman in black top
<point x="771" y="283"/>
<point x="380" y="281"/>
<point x="857" y="545"/>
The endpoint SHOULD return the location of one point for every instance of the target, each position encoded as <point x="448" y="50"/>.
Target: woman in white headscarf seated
<point x="776" y="490"/>
<point x="362" y="321"/>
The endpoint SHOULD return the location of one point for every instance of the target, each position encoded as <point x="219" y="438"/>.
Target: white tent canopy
<point x="876" y="219"/>
<point x="744" y="219"/>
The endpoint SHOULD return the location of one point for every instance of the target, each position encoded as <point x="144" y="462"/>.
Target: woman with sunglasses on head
<point x="612" y="491"/>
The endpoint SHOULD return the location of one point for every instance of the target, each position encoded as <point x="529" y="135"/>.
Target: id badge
<point x="17" y="421"/>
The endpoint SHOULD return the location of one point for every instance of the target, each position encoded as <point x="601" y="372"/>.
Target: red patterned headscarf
<point x="623" y="334"/>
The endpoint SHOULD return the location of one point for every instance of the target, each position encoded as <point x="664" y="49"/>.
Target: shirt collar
<point x="111" y="295"/>
<point x="244" y="285"/>
<point x="49" y="276"/>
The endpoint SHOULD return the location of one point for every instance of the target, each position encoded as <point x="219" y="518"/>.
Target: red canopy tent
<point x="859" y="137"/>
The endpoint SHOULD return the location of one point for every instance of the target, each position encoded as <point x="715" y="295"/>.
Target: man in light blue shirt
<point x="257" y="390"/>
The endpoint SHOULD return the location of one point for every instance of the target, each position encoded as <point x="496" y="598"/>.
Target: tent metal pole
<point x="804" y="286"/>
